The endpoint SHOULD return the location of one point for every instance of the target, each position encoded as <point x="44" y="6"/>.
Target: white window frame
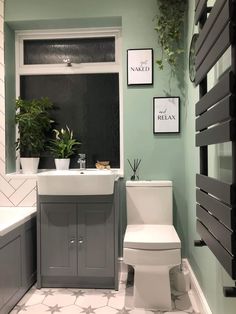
<point x="76" y="68"/>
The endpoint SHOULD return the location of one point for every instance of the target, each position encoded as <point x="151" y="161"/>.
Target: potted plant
<point x="34" y="123"/>
<point x="63" y="147"/>
<point x="169" y="27"/>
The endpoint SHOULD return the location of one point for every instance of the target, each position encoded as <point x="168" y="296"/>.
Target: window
<point x="77" y="50"/>
<point x="86" y="92"/>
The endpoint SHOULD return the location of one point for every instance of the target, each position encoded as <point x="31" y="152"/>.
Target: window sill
<point x="19" y="175"/>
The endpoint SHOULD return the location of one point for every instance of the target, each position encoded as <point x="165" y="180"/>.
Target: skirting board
<point x="196" y="294"/>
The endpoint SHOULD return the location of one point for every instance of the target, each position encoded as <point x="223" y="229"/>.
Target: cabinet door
<point x="58" y="239"/>
<point x="95" y="240"/>
<point x="10" y="270"/>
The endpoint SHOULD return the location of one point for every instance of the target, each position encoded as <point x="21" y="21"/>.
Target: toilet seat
<point x="151" y="237"/>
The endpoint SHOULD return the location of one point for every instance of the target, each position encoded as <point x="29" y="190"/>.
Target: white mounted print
<point x="140" y="66"/>
<point x="166" y="115"/>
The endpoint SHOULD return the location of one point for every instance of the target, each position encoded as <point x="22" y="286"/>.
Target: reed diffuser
<point x="134" y="166"/>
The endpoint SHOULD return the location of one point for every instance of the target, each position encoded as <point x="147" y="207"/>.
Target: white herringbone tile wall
<point x="13" y="192"/>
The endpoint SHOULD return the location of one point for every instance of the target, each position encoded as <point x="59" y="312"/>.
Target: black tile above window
<point x="89" y="105"/>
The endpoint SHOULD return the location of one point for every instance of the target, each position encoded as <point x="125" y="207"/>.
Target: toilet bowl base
<point x="152" y="288"/>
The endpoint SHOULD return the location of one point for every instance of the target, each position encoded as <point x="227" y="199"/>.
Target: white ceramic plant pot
<point x="62" y="164"/>
<point x="29" y="165"/>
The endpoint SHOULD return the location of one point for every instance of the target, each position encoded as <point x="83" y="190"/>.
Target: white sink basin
<point x="76" y="182"/>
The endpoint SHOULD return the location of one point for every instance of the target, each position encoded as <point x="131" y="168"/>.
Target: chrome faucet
<point x="82" y="161"/>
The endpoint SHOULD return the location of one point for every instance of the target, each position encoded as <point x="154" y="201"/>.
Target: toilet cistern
<point x="151" y="244"/>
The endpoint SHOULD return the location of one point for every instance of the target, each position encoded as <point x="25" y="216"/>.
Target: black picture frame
<point x="140" y="66"/>
<point x="166" y="115"/>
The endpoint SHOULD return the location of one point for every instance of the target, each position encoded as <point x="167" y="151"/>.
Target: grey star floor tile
<point x="78" y="293"/>
<point x="92" y="301"/>
<point x="54" y="309"/>
<point x="46" y="293"/>
<point x="109" y="294"/>
<point x="88" y="310"/>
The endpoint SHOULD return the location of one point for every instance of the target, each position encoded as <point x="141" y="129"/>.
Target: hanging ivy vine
<point x="169" y="27"/>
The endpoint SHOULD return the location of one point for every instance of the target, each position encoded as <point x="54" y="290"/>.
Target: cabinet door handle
<point x="81" y="240"/>
<point x="72" y="241"/>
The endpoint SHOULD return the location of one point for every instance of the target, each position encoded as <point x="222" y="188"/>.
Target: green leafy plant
<point x="64" y="145"/>
<point x="33" y="119"/>
<point x="169" y="26"/>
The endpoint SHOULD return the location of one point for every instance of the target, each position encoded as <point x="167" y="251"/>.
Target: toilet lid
<point x="151" y="237"/>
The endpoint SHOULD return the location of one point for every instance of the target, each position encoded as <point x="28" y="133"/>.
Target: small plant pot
<point x="62" y="163"/>
<point x="29" y="165"/>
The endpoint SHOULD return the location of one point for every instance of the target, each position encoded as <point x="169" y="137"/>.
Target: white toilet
<point x="151" y="244"/>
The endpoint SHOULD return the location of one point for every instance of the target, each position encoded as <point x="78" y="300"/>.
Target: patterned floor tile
<point x="105" y="310"/>
<point x="27" y="296"/>
<point x="118" y="301"/>
<point x="92" y="301"/>
<point x="93" y="298"/>
<point x="35" y="299"/>
<point x="59" y="299"/>
<point x="71" y="309"/>
<point x="88" y="310"/>
<point x="36" y="309"/>
<point x="18" y="308"/>
<point x="47" y="292"/>
<point x="54" y="309"/>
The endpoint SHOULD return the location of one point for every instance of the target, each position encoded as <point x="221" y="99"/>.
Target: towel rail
<point x="216" y="123"/>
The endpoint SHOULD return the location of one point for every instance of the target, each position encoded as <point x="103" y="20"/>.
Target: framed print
<point x="140" y="66"/>
<point x="166" y="115"/>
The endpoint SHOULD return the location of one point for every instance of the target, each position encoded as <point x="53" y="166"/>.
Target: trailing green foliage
<point x="169" y="27"/>
<point x="32" y="117"/>
<point x="64" y="145"/>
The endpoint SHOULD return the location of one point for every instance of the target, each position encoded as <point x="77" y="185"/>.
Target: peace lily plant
<point x="63" y="147"/>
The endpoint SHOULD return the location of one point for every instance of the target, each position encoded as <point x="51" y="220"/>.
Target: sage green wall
<point x="162" y="155"/>
<point x="210" y="274"/>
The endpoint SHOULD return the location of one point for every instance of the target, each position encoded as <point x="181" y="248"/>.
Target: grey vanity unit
<point x="17" y="264"/>
<point x="77" y="241"/>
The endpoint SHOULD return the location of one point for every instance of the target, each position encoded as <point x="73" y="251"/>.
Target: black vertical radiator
<point x="216" y="123"/>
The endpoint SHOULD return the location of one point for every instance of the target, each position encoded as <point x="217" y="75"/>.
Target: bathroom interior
<point x="143" y="219"/>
